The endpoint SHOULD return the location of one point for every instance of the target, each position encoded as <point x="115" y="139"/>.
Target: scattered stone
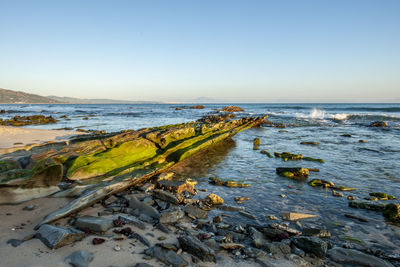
<point x="166" y="196"/>
<point x="163" y="228"/>
<point x="272" y="217"/>
<point x="56" y="236"/>
<point x="350" y="197"/>
<point x="80" y="258"/>
<point x="316" y="232"/>
<point x="132" y="220"/>
<point x="382" y="196"/>
<point x="172" y="215"/>
<point x="95" y="224"/>
<point x="98" y="241"/>
<point x="285" y="228"/>
<point x="142" y="264"/>
<point x="147" y="187"/>
<point x="319" y="182"/>
<point x="29" y="207"/>
<point x="231" y="246"/>
<point x="266" y="153"/>
<point x="337" y="194"/>
<point x="177" y="186"/>
<point x="141" y="239"/>
<point x="297" y="172"/>
<point x="195" y="212"/>
<point x="117" y="248"/>
<point x="355" y="257"/>
<point x="227" y="183"/>
<point x="230" y="208"/>
<point x="282" y="196"/>
<point x="196" y="248"/>
<point x="15" y="242"/>
<point x="144" y="208"/>
<point x="212" y="243"/>
<point x="311" y="244"/>
<point x="346" y="135"/>
<point x="167" y="256"/>
<point x="292" y="216"/>
<point x="362" y="141"/>
<point x="214" y="199"/>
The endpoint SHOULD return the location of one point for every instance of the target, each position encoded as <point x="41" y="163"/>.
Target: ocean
<point x="370" y="166"/>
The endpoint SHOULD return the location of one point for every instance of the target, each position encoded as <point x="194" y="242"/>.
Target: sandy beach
<point x="15" y="137"/>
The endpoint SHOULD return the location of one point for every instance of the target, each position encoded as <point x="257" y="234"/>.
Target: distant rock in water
<point x="28" y="120"/>
<point x="378" y="124"/>
<point x="232" y="109"/>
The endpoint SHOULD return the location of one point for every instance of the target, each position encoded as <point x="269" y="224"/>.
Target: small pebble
<point x="282" y="195"/>
<point x="117" y="248"/>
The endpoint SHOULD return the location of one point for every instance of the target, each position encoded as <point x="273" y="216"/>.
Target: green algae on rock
<point x="320" y="182"/>
<point x="116" y="161"/>
<point x="296" y="172"/>
<point x="28" y="120"/>
<point x="382" y="196"/>
<point x="227" y="183"/>
<point x="266" y="153"/>
<point x="392" y="212"/>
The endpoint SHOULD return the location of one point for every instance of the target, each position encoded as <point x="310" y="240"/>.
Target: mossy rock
<point x="382" y="196"/>
<point x="320" y="182"/>
<point x="392" y="212"/>
<point x="287" y="174"/>
<point x="298" y="172"/>
<point x="313" y="159"/>
<point x="227" y="183"/>
<point x="7" y="164"/>
<point x="266" y="153"/>
<point x="344" y="188"/>
<point x="288" y="156"/>
<point x="88" y="166"/>
<point x="309" y="143"/>
<point x="257" y="142"/>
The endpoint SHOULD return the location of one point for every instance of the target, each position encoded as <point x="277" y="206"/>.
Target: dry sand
<point x="15" y="136"/>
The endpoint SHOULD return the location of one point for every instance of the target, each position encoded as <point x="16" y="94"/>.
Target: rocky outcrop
<point x="232" y="109"/>
<point x="117" y="160"/>
<point x="354" y="257"/>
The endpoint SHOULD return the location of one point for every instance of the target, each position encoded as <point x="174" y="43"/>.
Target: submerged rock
<point x="297" y="172"/>
<point x="392" y="212"/>
<point x="227" y="183"/>
<point x="355" y="257"/>
<point x="56" y="236"/>
<point x="266" y="153"/>
<point x="382" y="196"/>
<point x="378" y="124"/>
<point x="368" y="205"/>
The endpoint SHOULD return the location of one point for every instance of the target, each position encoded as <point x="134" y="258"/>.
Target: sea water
<point x="372" y="166"/>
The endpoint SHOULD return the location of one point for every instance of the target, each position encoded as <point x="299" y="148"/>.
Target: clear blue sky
<point x="297" y="51"/>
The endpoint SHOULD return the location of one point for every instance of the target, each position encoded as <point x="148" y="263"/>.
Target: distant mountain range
<point x="18" y="97"/>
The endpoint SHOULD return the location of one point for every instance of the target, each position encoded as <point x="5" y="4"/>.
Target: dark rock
<point x="29" y="207"/>
<point x="166" y="196"/>
<point x="57" y="236"/>
<point x="134" y="203"/>
<point x="172" y="215"/>
<point x="254" y="252"/>
<point x="378" y="124"/>
<point x="212" y="244"/>
<point x="163" y="228"/>
<point x="141" y="238"/>
<point x="98" y="241"/>
<point x="15" y="242"/>
<point x="142" y="264"/>
<point x="195" y="212"/>
<point x="354" y="257"/>
<point x="167" y="256"/>
<point x="95" y="224"/>
<point x="311" y="244"/>
<point x="178" y="186"/>
<point x="80" y="258"/>
<point x="196" y="248"/>
<point x="258" y="239"/>
<point x="392" y="212"/>
<point x="296" y="171"/>
<point x="132" y="220"/>
<point x="316" y="232"/>
<point x="232" y="109"/>
<point x="368" y="205"/>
